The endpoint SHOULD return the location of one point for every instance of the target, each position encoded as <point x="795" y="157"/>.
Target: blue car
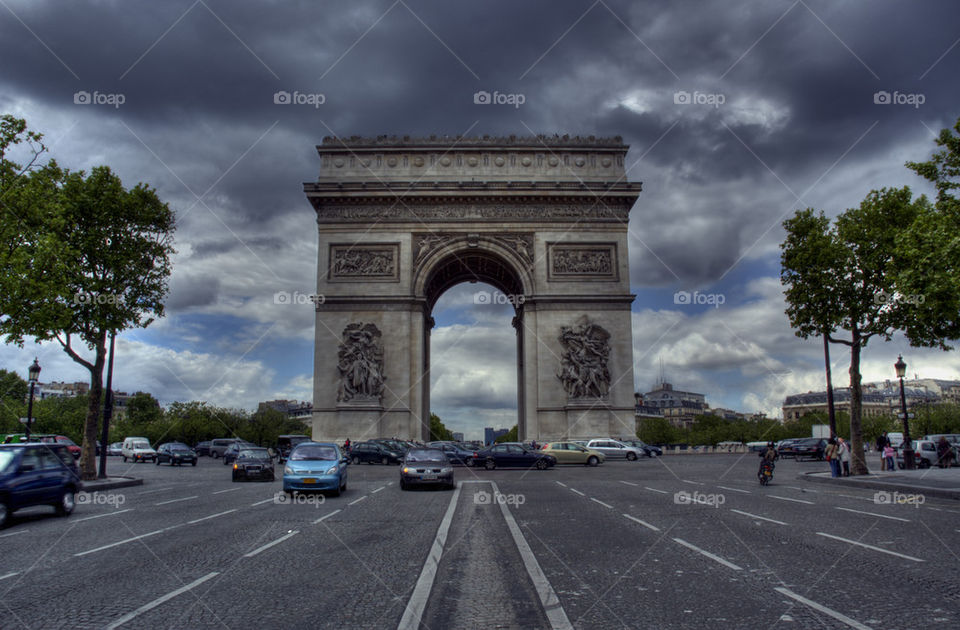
<point x="315" y="467"/>
<point x="37" y="474"/>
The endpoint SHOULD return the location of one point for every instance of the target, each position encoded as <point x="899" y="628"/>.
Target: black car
<point x="513" y="456"/>
<point x="230" y="454"/>
<point x="648" y="449"/>
<point x="372" y="452"/>
<point x="397" y="446"/>
<point x="253" y="463"/>
<point x="37" y="474"/>
<point x="202" y="448"/>
<point x="456" y="453"/>
<point x="426" y="466"/>
<point x="811" y="448"/>
<point x="177" y="453"/>
<point x="285" y="444"/>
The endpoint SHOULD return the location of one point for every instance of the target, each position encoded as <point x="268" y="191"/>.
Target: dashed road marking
<point x="227" y="490"/>
<point x="262" y="502"/>
<point x="773" y="496"/>
<point x="644" y="523"/>
<point x="853" y="623"/>
<point x="378" y="489"/>
<point x="892" y="518"/>
<point x="9" y="575"/>
<point x="871" y="547"/>
<point x="695" y="483"/>
<point x="762" y="518"/>
<point x="87" y="518"/>
<point x="577" y="491"/>
<point x="177" y="500"/>
<point x="562" y="484"/>
<point x="160" y="600"/>
<point x="712" y="556"/>
<point x="126" y="540"/>
<point x="655" y="490"/>
<point x="630" y="483"/>
<point x="735" y="489"/>
<point x="606" y="505"/>
<point x="22" y="531"/>
<point x="326" y="516"/>
<point x="271" y="544"/>
<point x="204" y="518"/>
<point x="357" y="500"/>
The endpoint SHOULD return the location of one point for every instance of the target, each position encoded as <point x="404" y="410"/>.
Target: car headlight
<point x="406" y="470"/>
<point x="331" y="470"/>
<point x="287" y="470"/>
<point x="446" y="471"/>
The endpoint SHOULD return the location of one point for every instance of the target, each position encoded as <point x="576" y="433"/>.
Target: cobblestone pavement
<point x="674" y="542"/>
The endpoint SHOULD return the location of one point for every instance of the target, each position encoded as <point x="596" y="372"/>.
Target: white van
<point x="138" y="449"/>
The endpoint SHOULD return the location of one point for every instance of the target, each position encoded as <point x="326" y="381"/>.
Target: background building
<point x="490" y="434"/>
<point x="292" y="408"/>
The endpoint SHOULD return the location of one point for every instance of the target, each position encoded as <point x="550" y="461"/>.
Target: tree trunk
<point x="858" y="463"/>
<point x="88" y="453"/>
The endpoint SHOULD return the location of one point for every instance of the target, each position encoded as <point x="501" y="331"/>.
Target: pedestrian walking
<point x="882" y="442"/>
<point x="844" y="456"/>
<point x="944" y="453"/>
<point x="888" y="456"/>
<point x="831" y="454"/>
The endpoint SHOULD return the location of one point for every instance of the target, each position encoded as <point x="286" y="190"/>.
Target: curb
<point x="111" y="483"/>
<point x="944" y="493"/>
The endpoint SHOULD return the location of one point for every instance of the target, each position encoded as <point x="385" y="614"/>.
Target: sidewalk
<point x="111" y="483"/>
<point x="934" y="482"/>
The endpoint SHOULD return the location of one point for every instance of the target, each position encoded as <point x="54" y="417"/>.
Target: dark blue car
<point x="37" y="474"/>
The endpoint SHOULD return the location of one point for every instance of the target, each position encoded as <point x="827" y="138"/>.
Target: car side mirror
<point x="344" y="460"/>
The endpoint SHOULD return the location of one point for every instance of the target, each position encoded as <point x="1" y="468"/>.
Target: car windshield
<point x="254" y="453"/>
<point x="141" y="445"/>
<point x="6" y="456"/>
<point x="425" y="455"/>
<point x="314" y="452"/>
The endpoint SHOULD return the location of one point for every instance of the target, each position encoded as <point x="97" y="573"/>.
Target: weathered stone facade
<point x="401" y="220"/>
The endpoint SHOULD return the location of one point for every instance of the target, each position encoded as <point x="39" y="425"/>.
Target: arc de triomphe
<point x="542" y="219"/>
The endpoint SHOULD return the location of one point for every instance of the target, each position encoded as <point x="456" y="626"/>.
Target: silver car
<point x="614" y="449"/>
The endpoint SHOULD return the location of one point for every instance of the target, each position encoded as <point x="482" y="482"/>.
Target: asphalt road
<point x="675" y="542"/>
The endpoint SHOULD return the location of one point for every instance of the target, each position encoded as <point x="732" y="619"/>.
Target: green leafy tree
<point x="61" y="415"/>
<point x="13" y="392"/>
<point x="81" y="256"/>
<point x="437" y="429"/>
<point x="658" y="431"/>
<point x="843" y="278"/>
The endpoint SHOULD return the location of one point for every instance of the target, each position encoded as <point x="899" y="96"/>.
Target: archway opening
<point x="473" y="357"/>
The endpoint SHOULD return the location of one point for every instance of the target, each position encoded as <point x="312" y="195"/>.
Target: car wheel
<point x="234" y="477"/>
<point x="541" y="464"/>
<point x="592" y="461"/>
<point x="4" y="514"/>
<point x="403" y="484"/>
<point x="193" y="463"/>
<point x="490" y="464"/>
<point x="468" y="462"/>
<point x="68" y="501"/>
<point x="214" y="454"/>
<point x="356" y="460"/>
<point x="124" y="459"/>
<point x="631" y="457"/>
<point x="157" y="462"/>
<point x="337" y="492"/>
<point x="385" y="461"/>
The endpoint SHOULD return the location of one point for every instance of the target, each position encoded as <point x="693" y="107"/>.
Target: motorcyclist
<point x="767" y="457"/>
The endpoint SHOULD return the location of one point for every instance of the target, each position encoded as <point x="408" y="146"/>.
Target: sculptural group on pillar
<point x="583" y="365"/>
<point x="360" y="361"/>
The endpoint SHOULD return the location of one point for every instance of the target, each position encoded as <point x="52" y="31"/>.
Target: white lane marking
<point x="892" y="518"/>
<point x="271" y="544"/>
<point x="695" y="483"/>
<point x="209" y="517"/>
<point x="155" y="490"/>
<point x="22" y="531"/>
<point x="655" y="490"/>
<point x="735" y="489"/>
<point x="773" y="496"/>
<point x="644" y="523"/>
<point x="850" y="496"/>
<point x="127" y="540"/>
<point x="562" y="484"/>
<point x="177" y="500"/>
<point x="714" y="557"/>
<point x="227" y="490"/>
<point x="577" y="491"/>
<point x="262" y="502"/>
<point x="629" y="483"/>
<point x="803" y="489"/>
<point x="606" y="505"/>
<point x="762" y="518"/>
<point x="871" y="547"/>
<point x="827" y="611"/>
<point x="548" y="597"/>
<point x="9" y="575"/>
<point x="323" y="518"/>
<point x="357" y="500"/>
<point x="87" y="518"/>
<point x="378" y="489"/>
<point x="421" y="592"/>
<point x="183" y="589"/>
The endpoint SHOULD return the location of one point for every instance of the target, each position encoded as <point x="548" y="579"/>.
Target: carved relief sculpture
<point x="364" y="262"/>
<point x="583" y="366"/>
<point x="360" y="364"/>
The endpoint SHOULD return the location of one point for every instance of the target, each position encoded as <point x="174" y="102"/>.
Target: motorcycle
<point x="766" y="472"/>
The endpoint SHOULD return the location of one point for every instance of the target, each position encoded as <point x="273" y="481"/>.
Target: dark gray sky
<point x="737" y="114"/>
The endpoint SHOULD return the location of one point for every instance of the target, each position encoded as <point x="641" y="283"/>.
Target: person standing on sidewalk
<point x="944" y="453"/>
<point x="889" y="454"/>
<point x="831" y="454"/>
<point x="844" y="455"/>
<point x="882" y="442"/>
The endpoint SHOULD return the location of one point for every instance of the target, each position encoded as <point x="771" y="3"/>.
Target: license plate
<point x="309" y="480"/>
<point x="428" y="477"/>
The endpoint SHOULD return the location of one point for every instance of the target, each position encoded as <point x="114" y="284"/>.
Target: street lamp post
<point x="908" y="464"/>
<point x="34" y="373"/>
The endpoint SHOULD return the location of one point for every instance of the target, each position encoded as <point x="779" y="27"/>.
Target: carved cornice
<point x="452" y="211"/>
<point x="472" y="141"/>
